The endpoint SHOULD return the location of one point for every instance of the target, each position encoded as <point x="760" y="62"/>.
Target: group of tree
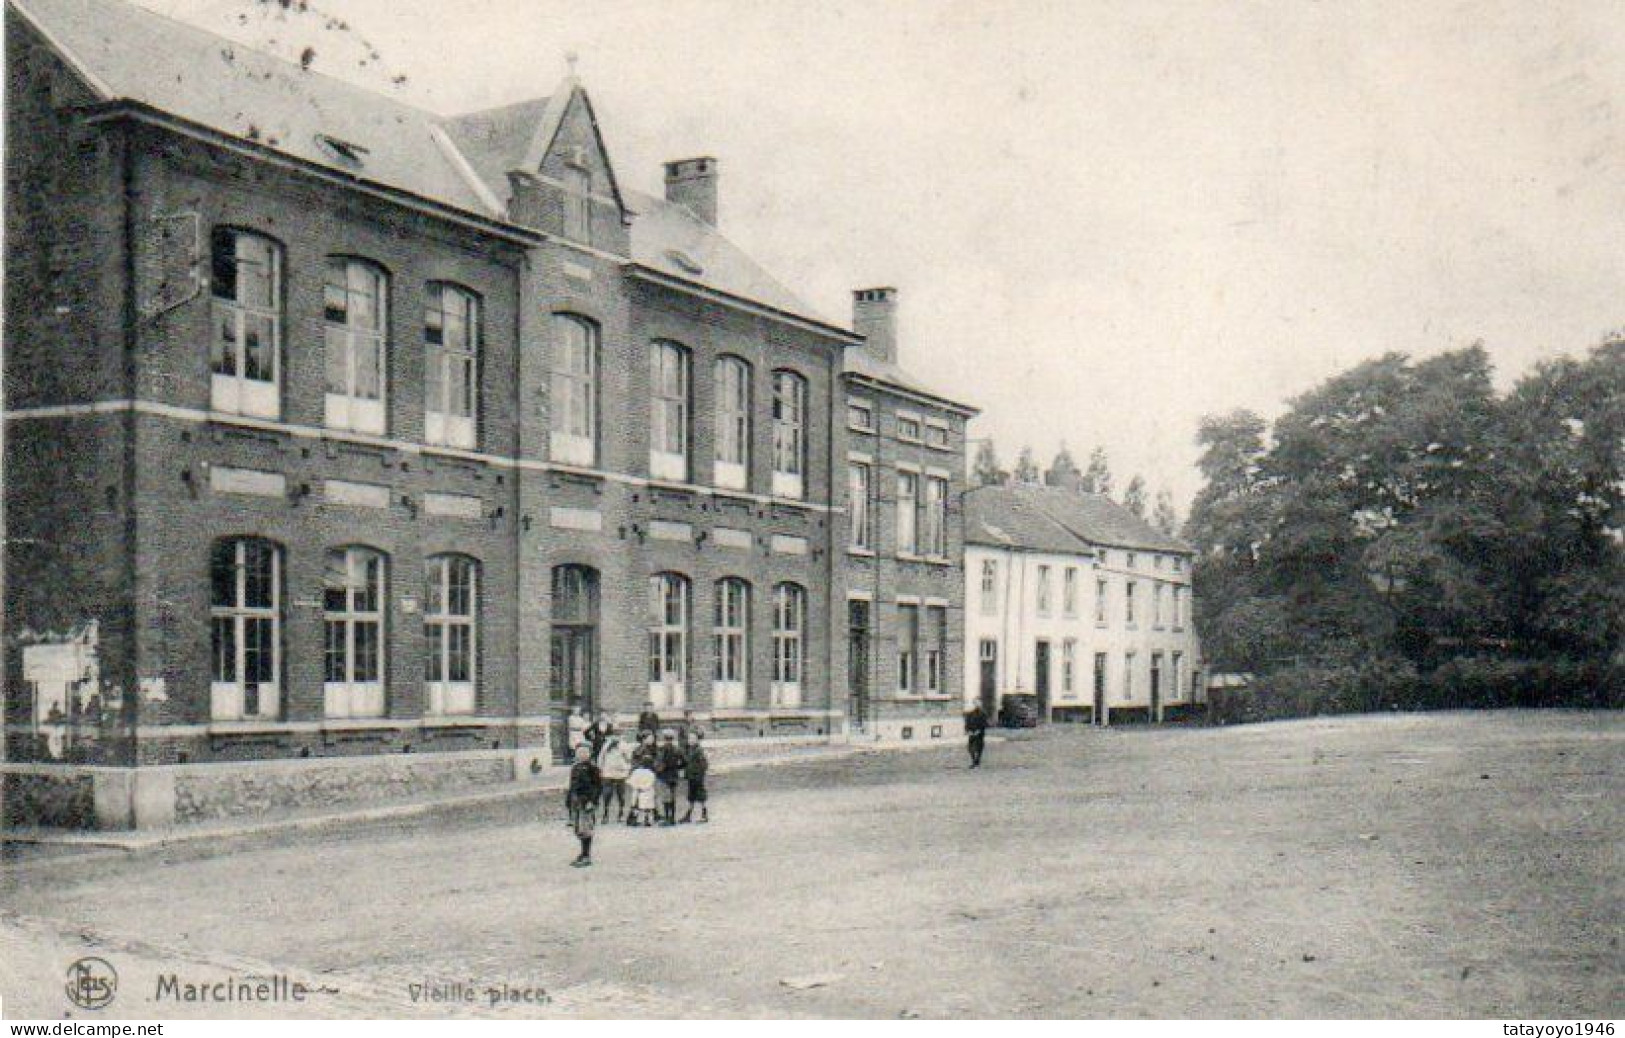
<point x="1063" y="471"/>
<point x="1403" y="514"/>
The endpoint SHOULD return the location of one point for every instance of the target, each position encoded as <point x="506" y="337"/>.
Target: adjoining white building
<point x="1078" y="607"/>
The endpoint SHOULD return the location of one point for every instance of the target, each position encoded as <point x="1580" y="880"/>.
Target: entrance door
<point x="857" y="663"/>
<point x="1156" y="686"/>
<point x="988" y="655"/>
<point x="1100" y="688"/>
<point x="574" y="648"/>
<point x="1041" y="678"/>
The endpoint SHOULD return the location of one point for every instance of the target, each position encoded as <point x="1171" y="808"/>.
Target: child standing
<point x="695" y="765"/>
<point x="642" y="781"/>
<point x="582" y="800"/>
<point x="668" y="770"/>
<point x="614" y="766"/>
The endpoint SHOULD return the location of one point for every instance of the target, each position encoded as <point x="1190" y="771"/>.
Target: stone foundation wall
<point x="67" y="800"/>
<point x="205" y="792"/>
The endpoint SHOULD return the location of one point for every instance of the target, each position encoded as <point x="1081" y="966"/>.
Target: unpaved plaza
<point x="1442" y="865"/>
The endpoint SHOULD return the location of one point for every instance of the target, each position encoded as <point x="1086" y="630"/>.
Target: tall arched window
<point x="789" y="434"/>
<point x="451" y="336"/>
<point x="732" y="378"/>
<point x="353" y="611"/>
<point x="245" y="355"/>
<point x="729" y="688"/>
<point x="789" y="629"/>
<point x="574" y="391"/>
<point x="245" y="616"/>
<point x="356" y="304"/>
<point x="575" y="636"/>
<point x="668" y="639"/>
<point x="668" y="411"/>
<point x="451" y="645"/>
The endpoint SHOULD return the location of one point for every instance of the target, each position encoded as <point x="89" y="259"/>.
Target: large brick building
<point x="348" y="446"/>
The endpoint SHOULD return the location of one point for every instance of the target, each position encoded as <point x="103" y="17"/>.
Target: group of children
<point x="605" y="769"/>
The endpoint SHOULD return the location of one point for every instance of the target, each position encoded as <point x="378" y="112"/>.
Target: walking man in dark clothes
<point x="668" y="770"/>
<point x="582" y="800"/>
<point x="975" y="733"/>
<point x="695" y="765"/>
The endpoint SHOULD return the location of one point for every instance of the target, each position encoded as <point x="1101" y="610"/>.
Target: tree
<point x="1163" y="517"/>
<point x="1026" y="470"/>
<point x="1097" y="478"/>
<point x="985" y="470"/>
<point x="1063" y="471"/>
<point x="1134" y="496"/>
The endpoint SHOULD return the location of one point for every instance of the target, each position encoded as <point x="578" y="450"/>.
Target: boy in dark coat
<point x="648" y="721"/>
<point x="975" y="733"/>
<point x="668" y="769"/>
<point x="582" y="800"/>
<point x="695" y="765"/>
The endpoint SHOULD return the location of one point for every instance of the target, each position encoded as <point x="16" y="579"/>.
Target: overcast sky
<point x="1104" y="220"/>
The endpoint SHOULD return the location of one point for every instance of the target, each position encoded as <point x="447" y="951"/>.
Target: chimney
<point x="693" y="183"/>
<point x="874" y="316"/>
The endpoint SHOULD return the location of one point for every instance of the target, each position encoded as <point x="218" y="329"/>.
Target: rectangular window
<point x="990" y="587"/>
<point x="789" y="434"/>
<point x="1069" y="592"/>
<point x="936" y="628"/>
<point x="668" y="640"/>
<point x="574" y="391"/>
<point x="1128" y="603"/>
<point x="936" y="517"/>
<point x="246" y="351"/>
<point x="1179" y="608"/>
<point x="733" y="423"/>
<point x="860" y="417"/>
<point x="936" y="435"/>
<point x="246" y="630"/>
<point x="1130" y="560"/>
<point x="353" y="602"/>
<point x="859" y="491"/>
<point x="789" y="625"/>
<point x="1100" y="601"/>
<point x="448" y="629"/>
<point x="1069" y="664"/>
<point x="1100" y="678"/>
<point x="908" y="637"/>
<point x="1043" y="591"/>
<point x="1128" y="676"/>
<point x="733" y="613"/>
<point x="355" y="307"/>
<point x="578" y="205"/>
<point x="451" y="334"/>
<point x="1156" y="606"/>
<point x="908" y="503"/>
<point x="908" y="428"/>
<point x="1177" y="689"/>
<point x="668" y="411"/>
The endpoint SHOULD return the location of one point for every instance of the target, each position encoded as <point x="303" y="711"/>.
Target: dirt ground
<point x="1446" y="865"/>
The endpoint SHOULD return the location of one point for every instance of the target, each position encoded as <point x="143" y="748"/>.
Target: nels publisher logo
<point x="91" y="983"/>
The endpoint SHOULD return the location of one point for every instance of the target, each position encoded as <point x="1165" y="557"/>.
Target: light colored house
<point x="1077" y="603"/>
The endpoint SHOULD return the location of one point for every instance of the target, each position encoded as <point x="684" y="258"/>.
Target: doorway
<point x="574" y="648"/>
<point x="1041" y="678"/>
<point x="857" y="663"/>
<point x="1156" y="686"/>
<point x="1100" y="689"/>
<point x="988" y="657"/>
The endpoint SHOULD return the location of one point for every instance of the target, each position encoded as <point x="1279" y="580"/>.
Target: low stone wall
<point x="65" y="798"/>
<point x="205" y="792"/>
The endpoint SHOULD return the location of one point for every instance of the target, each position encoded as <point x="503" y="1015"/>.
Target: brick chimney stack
<point x="874" y="316"/>
<point x="693" y="183"/>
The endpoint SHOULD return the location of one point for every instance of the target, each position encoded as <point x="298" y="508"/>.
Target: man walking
<point x="975" y="733"/>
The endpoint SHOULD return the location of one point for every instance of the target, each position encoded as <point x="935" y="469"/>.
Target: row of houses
<point x="350" y="447"/>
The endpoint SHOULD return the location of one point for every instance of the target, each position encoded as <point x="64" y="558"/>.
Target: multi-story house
<point x="346" y="441"/>
<point x="1076" y="602"/>
<point x="905" y="482"/>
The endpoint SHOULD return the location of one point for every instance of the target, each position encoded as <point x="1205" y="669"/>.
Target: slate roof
<point x="862" y="362"/>
<point x="1055" y="519"/>
<point x="129" y="53"/>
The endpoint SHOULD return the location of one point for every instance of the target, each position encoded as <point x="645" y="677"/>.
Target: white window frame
<point x="1069" y="666"/>
<point x="730" y="685"/>
<point x="867" y="424"/>
<point x="1179" y="607"/>
<point x="352" y="694"/>
<point x="789" y="643"/>
<point x="228" y="691"/>
<point x="936" y="649"/>
<point x="1128" y="603"/>
<point x="669" y="381"/>
<point x="1128" y="677"/>
<point x="446" y="696"/>
<point x="908" y="647"/>
<point x="732" y="377"/>
<point x="447" y="421"/>
<point x="1156" y="605"/>
<point x="348" y="343"/>
<point x="910" y="419"/>
<point x="234" y="391"/>
<point x="990" y="587"/>
<point x="1043" y="598"/>
<point x="908" y="512"/>
<point x="789" y="435"/>
<point x="573" y="391"/>
<point x="670" y="598"/>
<point x="936" y="517"/>
<point x="860" y="478"/>
<point x="1102" y="590"/>
<point x="1069" y="593"/>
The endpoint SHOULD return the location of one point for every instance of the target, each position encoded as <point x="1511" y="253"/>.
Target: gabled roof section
<point x="128" y="53"/>
<point x="862" y="363"/>
<point x="1005" y="516"/>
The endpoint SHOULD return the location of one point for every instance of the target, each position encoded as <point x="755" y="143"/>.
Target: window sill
<point x="450" y="450"/>
<point x="861" y="430"/>
<point x="861" y="553"/>
<point x="927" y="560"/>
<point x="264" y="726"/>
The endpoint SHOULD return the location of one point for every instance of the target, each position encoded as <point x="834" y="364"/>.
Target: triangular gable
<point x="553" y="122"/>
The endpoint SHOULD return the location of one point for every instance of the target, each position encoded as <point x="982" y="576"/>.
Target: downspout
<point x="131" y="329"/>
